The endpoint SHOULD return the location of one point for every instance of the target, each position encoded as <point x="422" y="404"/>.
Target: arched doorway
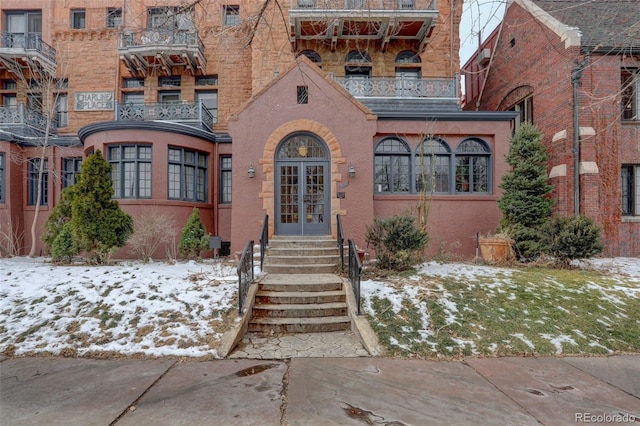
<point x="302" y="191"/>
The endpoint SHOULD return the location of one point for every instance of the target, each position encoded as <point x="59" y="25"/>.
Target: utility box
<point x="215" y="243"/>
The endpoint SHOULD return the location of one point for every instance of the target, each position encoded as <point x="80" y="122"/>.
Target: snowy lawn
<point x="455" y="310"/>
<point x="439" y="310"/>
<point x="130" y="309"/>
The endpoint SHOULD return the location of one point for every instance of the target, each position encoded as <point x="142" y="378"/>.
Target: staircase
<point x="301" y="293"/>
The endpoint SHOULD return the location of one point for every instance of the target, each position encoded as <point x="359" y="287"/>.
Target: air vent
<point x="484" y="56"/>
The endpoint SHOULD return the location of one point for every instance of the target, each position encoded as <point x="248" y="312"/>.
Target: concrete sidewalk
<point x="320" y="391"/>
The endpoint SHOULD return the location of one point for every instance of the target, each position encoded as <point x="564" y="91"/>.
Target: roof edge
<point x="571" y="36"/>
<point x="155" y="126"/>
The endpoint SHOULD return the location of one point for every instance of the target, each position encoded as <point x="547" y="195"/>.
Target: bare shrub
<point x="150" y="232"/>
<point x="10" y="237"/>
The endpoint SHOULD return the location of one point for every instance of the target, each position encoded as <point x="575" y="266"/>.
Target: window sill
<point x="630" y="219"/>
<point x="435" y="197"/>
<point x="630" y="122"/>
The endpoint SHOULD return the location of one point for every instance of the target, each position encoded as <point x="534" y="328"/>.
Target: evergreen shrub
<point x="397" y="241"/>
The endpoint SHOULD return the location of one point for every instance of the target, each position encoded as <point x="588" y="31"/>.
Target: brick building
<point x="301" y="111"/>
<point x="567" y="65"/>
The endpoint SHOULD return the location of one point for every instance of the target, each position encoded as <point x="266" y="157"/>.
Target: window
<point x="472" y="167"/>
<point x="209" y="99"/>
<point x="392" y="157"/>
<point x="432" y="165"/>
<point x="34" y="172"/>
<point x="22" y="29"/>
<point x="70" y="171"/>
<point x="187" y="175"/>
<point x="303" y="94"/>
<point x="408" y="74"/>
<point x="225" y="179"/>
<point x="631" y="190"/>
<point x="62" y="103"/>
<point x="313" y="57"/>
<point x="114" y="17"/>
<point x="169" y="96"/>
<point x="357" y="72"/>
<point x="630" y="94"/>
<point x="525" y="108"/>
<point x="131" y="170"/>
<point x="231" y="15"/>
<point x="173" y="18"/>
<point x="78" y="19"/>
<point x="9" y="93"/>
<point x="131" y="93"/>
<point x="2" y="178"/>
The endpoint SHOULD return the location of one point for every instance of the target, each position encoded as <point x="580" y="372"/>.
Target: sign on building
<point x="93" y="101"/>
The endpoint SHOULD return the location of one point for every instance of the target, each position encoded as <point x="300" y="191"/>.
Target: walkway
<point x="320" y="391"/>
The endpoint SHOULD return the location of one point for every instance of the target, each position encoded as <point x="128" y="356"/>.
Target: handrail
<point x="340" y="242"/>
<point x="264" y="239"/>
<point x="355" y="267"/>
<point x="245" y="274"/>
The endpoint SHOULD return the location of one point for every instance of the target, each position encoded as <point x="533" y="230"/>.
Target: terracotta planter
<point x="495" y="249"/>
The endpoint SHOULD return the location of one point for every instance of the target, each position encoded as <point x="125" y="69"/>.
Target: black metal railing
<point x="245" y="274"/>
<point x="355" y="267"/>
<point x="31" y="119"/>
<point x="192" y="113"/>
<point x="264" y="239"/>
<point x="28" y="42"/>
<point x="338" y="5"/>
<point x="340" y="242"/>
<point x="400" y="87"/>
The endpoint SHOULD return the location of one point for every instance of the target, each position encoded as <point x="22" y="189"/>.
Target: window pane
<point x="463" y="173"/>
<point x="189" y="182"/>
<point x="480" y="175"/>
<point x="174" y="181"/>
<point x="174" y="154"/>
<point x="129" y="170"/>
<point x="144" y="180"/>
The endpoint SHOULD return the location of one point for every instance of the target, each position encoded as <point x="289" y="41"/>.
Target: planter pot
<point x="495" y="249"/>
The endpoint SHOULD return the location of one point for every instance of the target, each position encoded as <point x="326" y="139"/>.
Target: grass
<point x="517" y="312"/>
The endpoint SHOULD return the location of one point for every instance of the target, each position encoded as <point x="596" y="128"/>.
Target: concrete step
<point x="300" y="325"/>
<point x="298" y="297"/>
<point x="328" y="268"/>
<point x="301" y="259"/>
<point x="299" y="310"/>
<point x="299" y="285"/>
<point x="302" y="241"/>
<point x="303" y="251"/>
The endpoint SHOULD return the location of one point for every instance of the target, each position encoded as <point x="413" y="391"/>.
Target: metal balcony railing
<point x="161" y="37"/>
<point x="25" y="121"/>
<point x="28" y="42"/>
<point x="400" y="87"/>
<point x="191" y="113"/>
<point x="364" y="4"/>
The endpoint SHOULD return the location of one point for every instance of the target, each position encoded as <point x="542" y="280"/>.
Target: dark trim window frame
<point x="2" y="178"/>
<point x="231" y="15"/>
<point x="630" y="177"/>
<point x="71" y="167"/>
<point x="433" y="167"/>
<point x="34" y="170"/>
<point x="188" y="172"/>
<point x="630" y="94"/>
<point x="78" y="19"/>
<point x="131" y="170"/>
<point x="225" y="179"/>
<point x="114" y="17"/>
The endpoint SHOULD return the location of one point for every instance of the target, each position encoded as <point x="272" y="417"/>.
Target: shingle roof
<point x="604" y="24"/>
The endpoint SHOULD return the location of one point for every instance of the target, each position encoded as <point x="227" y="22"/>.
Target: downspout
<point x="576" y="75"/>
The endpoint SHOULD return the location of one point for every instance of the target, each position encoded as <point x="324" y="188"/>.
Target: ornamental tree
<point x="525" y="203"/>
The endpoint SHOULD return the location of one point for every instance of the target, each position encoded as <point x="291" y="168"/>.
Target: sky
<point x="479" y="18"/>
<point x="162" y="309"/>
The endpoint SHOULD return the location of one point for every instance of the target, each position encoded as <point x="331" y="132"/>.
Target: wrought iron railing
<point x="192" y="113"/>
<point x="31" y="119"/>
<point x="264" y="239"/>
<point x="340" y="242"/>
<point x="31" y="42"/>
<point x="245" y="274"/>
<point x="355" y="267"/>
<point x="400" y="87"/>
<point x="364" y="4"/>
<point x="161" y="37"/>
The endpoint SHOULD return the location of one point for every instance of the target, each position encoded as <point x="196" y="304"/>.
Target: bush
<point x="64" y="246"/>
<point x="60" y="215"/>
<point x="150" y="231"/>
<point x="193" y="239"/>
<point x="569" y="238"/>
<point x="397" y="241"/>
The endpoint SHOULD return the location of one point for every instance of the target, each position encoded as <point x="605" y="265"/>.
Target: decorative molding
<point x="570" y="35"/>
<point x="558" y="171"/>
<point x="562" y="134"/>
<point x="589" y="168"/>
<point x="587" y="131"/>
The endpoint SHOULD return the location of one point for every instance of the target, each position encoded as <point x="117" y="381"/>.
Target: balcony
<point x="194" y="114"/>
<point x="400" y="87"/>
<point x="24" y="122"/>
<point x="384" y="20"/>
<point x="156" y="51"/>
<point x="27" y="52"/>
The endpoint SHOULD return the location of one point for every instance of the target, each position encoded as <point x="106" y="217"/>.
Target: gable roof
<point x="605" y="25"/>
